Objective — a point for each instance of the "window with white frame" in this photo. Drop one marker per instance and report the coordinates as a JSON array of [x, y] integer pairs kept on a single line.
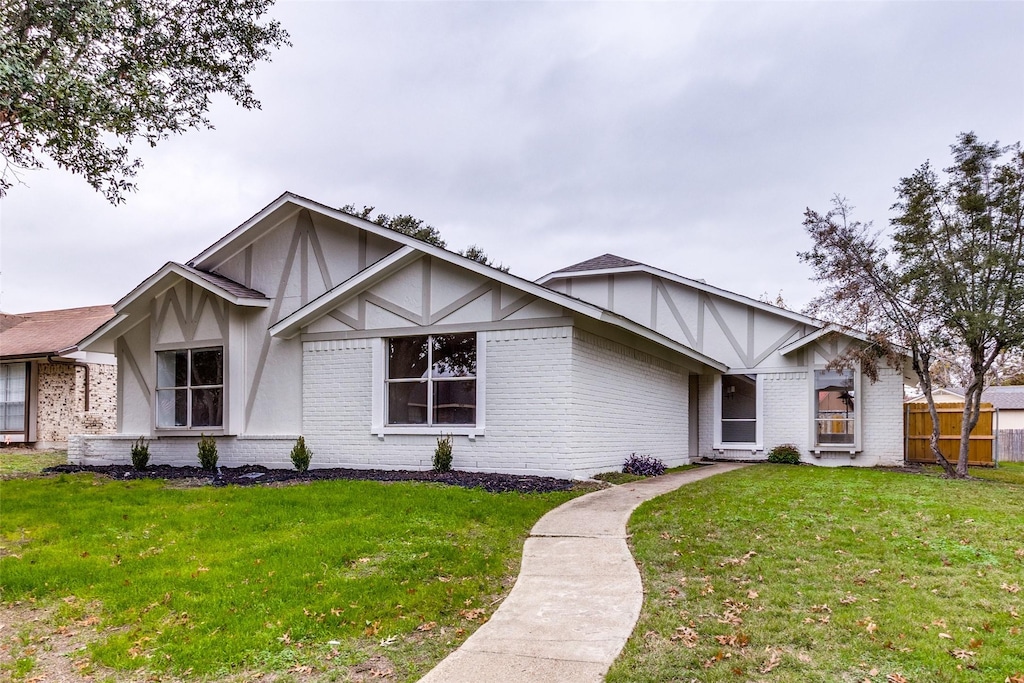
[[739, 409], [431, 380], [835, 408], [12, 396], [190, 388]]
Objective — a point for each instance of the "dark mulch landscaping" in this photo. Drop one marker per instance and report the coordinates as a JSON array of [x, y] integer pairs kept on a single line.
[[248, 475]]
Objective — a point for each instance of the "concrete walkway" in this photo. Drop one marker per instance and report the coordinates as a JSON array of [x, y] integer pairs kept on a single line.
[[577, 598]]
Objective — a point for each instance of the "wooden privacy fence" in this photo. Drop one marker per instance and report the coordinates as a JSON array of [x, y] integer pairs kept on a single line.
[[1011, 445], [919, 434]]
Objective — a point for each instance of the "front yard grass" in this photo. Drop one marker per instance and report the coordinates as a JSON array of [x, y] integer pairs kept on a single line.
[[779, 573], [315, 581], [16, 462]]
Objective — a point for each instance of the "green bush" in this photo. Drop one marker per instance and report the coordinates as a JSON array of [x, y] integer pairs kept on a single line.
[[786, 454], [207, 453], [301, 455], [443, 454], [140, 454]]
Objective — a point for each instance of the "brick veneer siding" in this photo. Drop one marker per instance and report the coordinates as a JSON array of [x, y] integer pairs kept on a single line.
[[787, 419], [527, 394], [625, 401], [272, 451], [60, 402]]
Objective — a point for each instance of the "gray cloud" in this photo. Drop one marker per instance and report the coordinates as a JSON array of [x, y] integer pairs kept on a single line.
[[686, 135]]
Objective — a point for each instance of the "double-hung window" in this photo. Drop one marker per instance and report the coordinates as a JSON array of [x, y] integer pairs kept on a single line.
[[739, 409], [835, 408], [12, 397], [431, 380], [190, 388]]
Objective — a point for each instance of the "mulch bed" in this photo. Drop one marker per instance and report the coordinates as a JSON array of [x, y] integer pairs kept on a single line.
[[249, 475]]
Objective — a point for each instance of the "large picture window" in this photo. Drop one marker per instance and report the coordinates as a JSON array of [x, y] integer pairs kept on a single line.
[[739, 409], [190, 388], [835, 407], [12, 396], [431, 380]]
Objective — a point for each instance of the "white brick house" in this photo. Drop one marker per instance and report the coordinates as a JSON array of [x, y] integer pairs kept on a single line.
[[307, 320]]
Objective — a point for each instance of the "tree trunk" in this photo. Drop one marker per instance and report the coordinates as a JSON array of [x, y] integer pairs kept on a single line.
[[922, 366]]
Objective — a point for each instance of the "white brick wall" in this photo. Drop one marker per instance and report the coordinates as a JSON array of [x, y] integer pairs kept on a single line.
[[232, 451], [787, 400], [623, 402], [787, 419], [527, 392]]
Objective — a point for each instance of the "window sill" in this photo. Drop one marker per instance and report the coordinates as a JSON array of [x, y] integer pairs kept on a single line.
[[189, 431], [418, 430]]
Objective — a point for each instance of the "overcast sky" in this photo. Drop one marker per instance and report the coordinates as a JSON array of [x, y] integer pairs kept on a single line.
[[689, 136]]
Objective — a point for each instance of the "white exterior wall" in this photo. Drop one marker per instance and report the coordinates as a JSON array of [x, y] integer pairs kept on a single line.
[[270, 451], [624, 402], [527, 389], [786, 412]]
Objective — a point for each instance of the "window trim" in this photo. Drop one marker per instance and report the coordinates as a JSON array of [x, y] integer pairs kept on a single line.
[[858, 415], [191, 348], [26, 369], [758, 444], [379, 426]]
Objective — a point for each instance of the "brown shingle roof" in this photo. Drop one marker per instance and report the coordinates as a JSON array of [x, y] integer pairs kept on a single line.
[[45, 332], [600, 263]]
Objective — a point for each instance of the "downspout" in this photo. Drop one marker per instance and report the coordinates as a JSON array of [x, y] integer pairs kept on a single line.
[[57, 360]]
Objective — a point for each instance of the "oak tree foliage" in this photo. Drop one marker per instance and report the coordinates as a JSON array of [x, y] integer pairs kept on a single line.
[[416, 227], [947, 279], [82, 80]]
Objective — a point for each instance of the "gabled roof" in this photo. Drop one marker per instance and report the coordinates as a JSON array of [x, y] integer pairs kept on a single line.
[[289, 326], [610, 264], [169, 275], [44, 333]]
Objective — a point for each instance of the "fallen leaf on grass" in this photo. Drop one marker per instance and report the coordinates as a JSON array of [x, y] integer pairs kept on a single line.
[[896, 678], [945, 636], [686, 635], [1015, 678], [774, 659], [848, 600], [428, 626], [963, 654], [752, 595], [1011, 588], [737, 561], [734, 639]]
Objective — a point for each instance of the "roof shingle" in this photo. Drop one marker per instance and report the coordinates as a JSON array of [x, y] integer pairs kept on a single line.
[[600, 263], [45, 332]]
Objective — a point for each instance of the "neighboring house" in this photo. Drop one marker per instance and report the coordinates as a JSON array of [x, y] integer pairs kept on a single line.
[[49, 388], [1009, 401], [307, 320], [940, 395]]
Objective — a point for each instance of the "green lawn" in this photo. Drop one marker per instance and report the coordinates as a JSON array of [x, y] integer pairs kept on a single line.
[[779, 573], [207, 582], [21, 461]]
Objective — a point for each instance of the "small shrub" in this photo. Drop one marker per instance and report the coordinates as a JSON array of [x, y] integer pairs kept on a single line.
[[643, 466], [301, 455], [443, 454], [140, 454], [786, 454], [207, 453]]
